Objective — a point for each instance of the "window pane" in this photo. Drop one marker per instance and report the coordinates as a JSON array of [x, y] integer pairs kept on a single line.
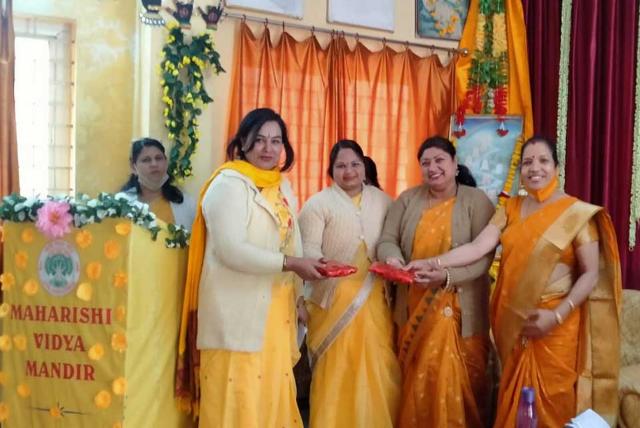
[[32, 114]]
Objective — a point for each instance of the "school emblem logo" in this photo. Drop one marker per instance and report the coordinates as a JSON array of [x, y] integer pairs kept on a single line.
[[59, 267]]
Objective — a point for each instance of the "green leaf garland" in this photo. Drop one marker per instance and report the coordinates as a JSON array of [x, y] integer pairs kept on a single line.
[[183, 67]]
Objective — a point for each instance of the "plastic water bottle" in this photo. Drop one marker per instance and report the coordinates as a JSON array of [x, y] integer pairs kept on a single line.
[[527, 416]]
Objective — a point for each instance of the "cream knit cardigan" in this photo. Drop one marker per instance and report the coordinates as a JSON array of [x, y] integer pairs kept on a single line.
[[333, 227]]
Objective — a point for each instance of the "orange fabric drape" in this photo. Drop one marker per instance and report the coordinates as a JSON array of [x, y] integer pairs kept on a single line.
[[388, 101], [8, 143], [519, 94], [444, 373]]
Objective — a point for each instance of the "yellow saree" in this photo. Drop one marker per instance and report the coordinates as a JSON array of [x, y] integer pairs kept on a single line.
[[444, 373], [257, 389], [356, 376], [568, 375]]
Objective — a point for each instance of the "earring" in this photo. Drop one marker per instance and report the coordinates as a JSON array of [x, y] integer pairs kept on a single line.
[[457, 172]]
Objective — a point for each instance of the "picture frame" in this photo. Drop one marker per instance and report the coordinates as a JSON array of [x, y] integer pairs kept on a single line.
[[377, 14], [441, 19], [485, 152], [293, 8]]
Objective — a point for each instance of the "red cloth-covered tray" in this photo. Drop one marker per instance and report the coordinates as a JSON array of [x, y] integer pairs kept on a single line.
[[391, 273], [334, 269]]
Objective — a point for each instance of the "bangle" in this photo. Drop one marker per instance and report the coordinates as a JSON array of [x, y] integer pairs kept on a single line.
[[571, 304], [447, 283], [438, 262], [284, 263], [558, 317]]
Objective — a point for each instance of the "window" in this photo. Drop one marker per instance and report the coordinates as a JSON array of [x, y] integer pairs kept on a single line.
[[44, 93]]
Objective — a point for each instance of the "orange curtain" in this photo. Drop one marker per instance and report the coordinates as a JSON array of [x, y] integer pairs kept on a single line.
[[8, 144], [387, 101]]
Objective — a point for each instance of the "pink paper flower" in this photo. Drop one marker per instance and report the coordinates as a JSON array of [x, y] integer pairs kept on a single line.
[[54, 219]]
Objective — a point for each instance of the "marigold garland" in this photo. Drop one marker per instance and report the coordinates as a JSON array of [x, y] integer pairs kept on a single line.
[[487, 85], [184, 94], [563, 87], [634, 212]]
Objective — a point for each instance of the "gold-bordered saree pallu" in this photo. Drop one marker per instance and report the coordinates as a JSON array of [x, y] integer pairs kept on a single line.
[[356, 376], [569, 375]]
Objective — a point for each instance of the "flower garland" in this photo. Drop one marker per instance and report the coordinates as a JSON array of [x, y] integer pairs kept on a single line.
[[634, 212], [55, 215], [183, 93], [563, 87], [488, 75]]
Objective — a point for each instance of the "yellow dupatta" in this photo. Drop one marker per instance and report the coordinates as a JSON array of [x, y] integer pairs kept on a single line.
[[187, 383], [523, 279]]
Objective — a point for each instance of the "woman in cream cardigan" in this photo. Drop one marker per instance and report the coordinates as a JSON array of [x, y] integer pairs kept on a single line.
[[246, 240], [356, 376]]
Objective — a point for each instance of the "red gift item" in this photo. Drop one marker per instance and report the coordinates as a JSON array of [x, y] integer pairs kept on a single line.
[[334, 269], [391, 273]]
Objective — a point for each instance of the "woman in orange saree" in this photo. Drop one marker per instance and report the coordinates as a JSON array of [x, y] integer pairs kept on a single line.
[[559, 272], [443, 343]]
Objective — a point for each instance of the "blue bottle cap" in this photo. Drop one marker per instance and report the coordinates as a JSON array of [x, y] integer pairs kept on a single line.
[[528, 395]]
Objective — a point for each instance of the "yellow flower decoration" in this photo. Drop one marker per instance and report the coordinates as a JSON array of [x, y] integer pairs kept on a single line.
[[120, 279], [5, 308], [84, 238], [96, 352], [27, 235], [4, 411], [119, 342], [102, 400], [5, 343], [20, 342], [121, 313], [111, 249], [8, 281], [23, 390], [123, 228], [119, 386], [3, 378], [21, 259], [31, 287], [84, 291], [94, 270], [55, 412]]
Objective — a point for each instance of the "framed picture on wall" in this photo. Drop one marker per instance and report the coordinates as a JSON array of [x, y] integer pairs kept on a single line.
[[280, 7], [379, 14], [441, 19], [486, 153]]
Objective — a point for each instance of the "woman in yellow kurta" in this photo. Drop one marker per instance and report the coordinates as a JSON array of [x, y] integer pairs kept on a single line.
[[443, 336], [356, 376], [244, 251], [559, 276], [150, 183]]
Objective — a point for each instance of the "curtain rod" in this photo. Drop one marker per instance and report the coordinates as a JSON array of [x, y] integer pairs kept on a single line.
[[312, 28]]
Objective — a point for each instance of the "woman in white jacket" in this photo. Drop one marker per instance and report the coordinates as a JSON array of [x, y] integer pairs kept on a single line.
[[246, 241], [356, 376], [150, 183]]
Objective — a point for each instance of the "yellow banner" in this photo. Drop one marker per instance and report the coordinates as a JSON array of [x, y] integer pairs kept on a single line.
[[90, 324]]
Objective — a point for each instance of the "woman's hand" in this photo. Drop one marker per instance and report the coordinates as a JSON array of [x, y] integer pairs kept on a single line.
[[395, 262], [431, 278], [303, 314], [305, 268], [423, 265], [539, 323]]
